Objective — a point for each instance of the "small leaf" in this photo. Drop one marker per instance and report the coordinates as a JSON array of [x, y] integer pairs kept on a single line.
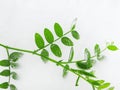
[[12, 87], [83, 72], [65, 70], [94, 82], [66, 41], [56, 50], [87, 54], [105, 85], [73, 24], [15, 56], [4, 85], [5, 63], [75, 35], [86, 73], [39, 41], [83, 65], [14, 75], [58, 30], [97, 51], [111, 88], [5, 73], [71, 54], [112, 47], [14, 65], [45, 53], [48, 35], [87, 57]]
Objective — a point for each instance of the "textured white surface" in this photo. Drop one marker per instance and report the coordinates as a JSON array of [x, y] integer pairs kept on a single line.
[[98, 22]]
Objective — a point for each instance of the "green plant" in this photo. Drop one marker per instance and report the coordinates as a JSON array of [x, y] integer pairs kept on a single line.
[[84, 66]]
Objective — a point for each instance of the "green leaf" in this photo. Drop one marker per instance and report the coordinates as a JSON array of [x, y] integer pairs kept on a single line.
[[39, 41], [15, 56], [83, 65], [45, 53], [75, 35], [97, 51], [5, 73], [87, 57], [56, 50], [5, 63], [94, 82], [12, 87], [48, 35], [4, 85], [112, 47], [14, 65], [65, 70], [73, 24], [71, 54], [87, 54], [105, 85], [83, 72], [86, 73], [14, 75], [58, 30], [66, 41], [111, 88]]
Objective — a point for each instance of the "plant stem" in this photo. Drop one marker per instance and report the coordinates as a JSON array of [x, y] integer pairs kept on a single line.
[[54, 41], [50, 59], [93, 87], [9, 66]]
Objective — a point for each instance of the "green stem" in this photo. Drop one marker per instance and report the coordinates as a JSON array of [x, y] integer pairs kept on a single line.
[[9, 66], [93, 87], [76, 84], [54, 41], [50, 59]]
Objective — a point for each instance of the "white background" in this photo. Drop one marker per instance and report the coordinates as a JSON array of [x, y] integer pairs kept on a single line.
[[98, 22]]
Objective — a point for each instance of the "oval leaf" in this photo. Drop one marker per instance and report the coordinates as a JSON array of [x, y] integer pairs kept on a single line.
[[65, 70], [14, 65], [58, 30], [4, 85], [71, 54], [48, 35], [46, 54], [75, 35], [87, 54], [112, 47], [15, 56], [5, 73], [86, 73], [105, 85], [94, 82], [83, 65], [66, 41], [12, 87], [14, 75], [5, 63], [56, 50], [39, 41]]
